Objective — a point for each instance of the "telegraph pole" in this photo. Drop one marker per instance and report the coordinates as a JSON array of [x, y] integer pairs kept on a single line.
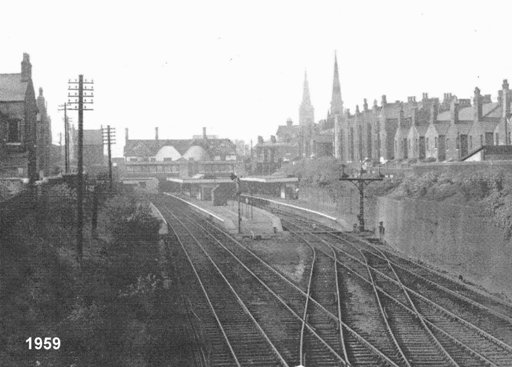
[[64, 107], [109, 137], [78, 92], [360, 183]]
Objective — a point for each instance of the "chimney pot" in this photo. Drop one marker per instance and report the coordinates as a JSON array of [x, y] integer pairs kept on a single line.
[[126, 134], [156, 133], [204, 133]]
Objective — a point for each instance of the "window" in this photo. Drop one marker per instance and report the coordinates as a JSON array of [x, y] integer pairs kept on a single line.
[[14, 131], [481, 140], [497, 139], [152, 159], [470, 142], [167, 159], [435, 142], [427, 143]]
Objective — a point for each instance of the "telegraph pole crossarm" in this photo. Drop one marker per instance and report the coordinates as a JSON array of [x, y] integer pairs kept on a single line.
[[360, 183]]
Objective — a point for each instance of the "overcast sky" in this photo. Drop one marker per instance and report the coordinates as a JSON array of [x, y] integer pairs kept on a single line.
[[237, 67]]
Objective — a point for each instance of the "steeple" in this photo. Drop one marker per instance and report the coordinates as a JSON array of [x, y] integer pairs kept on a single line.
[[336, 101], [306, 110], [305, 94]]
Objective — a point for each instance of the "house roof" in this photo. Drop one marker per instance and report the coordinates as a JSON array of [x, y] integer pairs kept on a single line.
[[12, 89], [402, 131], [497, 150], [489, 110], [442, 127], [287, 130], [149, 148], [463, 127], [421, 129]]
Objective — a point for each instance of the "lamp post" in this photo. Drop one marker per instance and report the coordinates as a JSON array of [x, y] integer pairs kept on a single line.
[[236, 179], [507, 121], [360, 183]]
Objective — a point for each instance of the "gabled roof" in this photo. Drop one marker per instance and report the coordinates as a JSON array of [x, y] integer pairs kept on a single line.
[[441, 127], [497, 150], [463, 127], [287, 130], [421, 129], [489, 110], [402, 131], [12, 89]]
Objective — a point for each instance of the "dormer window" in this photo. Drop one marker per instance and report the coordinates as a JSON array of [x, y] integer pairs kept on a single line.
[[13, 131]]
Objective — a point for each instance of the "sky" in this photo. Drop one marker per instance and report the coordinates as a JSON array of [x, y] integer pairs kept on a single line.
[[237, 67]]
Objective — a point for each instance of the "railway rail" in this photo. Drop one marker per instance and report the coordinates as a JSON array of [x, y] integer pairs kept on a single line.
[[458, 340], [315, 346]]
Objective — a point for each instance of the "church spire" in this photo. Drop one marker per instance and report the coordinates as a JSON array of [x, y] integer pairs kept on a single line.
[[306, 110], [305, 94], [336, 101]]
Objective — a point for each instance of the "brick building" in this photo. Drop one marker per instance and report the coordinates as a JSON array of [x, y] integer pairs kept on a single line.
[[430, 128], [161, 158], [18, 124]]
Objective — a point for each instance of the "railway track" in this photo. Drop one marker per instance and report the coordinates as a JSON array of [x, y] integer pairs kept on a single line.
[[456, 340], [281, 328]]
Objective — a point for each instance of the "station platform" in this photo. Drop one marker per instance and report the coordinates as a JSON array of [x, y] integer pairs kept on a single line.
[[254, 221], [330, 218]]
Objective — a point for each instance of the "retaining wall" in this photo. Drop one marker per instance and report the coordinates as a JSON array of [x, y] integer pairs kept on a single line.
[[459, 239]]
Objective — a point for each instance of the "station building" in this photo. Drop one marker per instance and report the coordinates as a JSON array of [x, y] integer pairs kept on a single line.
[[148, 160]]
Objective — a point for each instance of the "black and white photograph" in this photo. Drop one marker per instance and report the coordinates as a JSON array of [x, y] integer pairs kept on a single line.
[[272, 183]]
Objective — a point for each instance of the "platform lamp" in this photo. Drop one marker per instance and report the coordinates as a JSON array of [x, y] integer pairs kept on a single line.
[[507, 121], [236, 179]]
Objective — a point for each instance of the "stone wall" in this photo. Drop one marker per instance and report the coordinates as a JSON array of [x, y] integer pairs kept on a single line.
[[459, 239]]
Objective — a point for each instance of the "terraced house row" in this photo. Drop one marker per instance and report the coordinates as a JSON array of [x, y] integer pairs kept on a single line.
[[431, 129]]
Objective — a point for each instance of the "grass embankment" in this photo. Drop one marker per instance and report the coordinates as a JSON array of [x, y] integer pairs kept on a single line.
[[119, 309]]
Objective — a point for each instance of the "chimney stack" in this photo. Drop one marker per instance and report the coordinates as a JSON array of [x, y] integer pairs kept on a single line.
[[505, 98], [156, 133], [477, 105], [260, 139], [434, 109], [273, 139], [425, 97], [126, 134], [365, 105], [289, 122], [26, 68], [414, 116], [383, 100], [454, 111], [204, 133]]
